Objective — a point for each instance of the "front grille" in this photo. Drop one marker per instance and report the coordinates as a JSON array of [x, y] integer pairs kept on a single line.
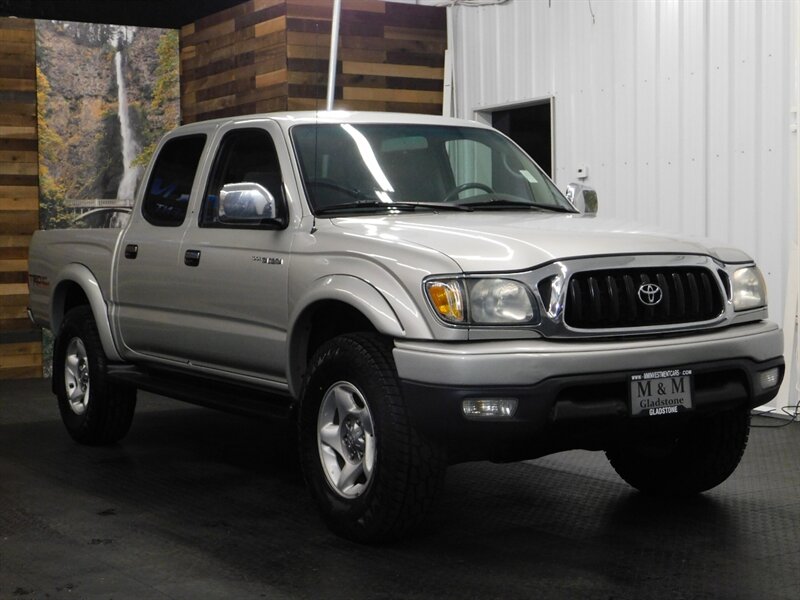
[[610, 299]]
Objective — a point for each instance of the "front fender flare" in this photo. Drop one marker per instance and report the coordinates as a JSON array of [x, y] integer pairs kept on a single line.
[[354, 292], [85, 279]]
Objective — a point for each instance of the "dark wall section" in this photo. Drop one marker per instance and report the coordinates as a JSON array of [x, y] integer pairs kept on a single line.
[[170, 14]]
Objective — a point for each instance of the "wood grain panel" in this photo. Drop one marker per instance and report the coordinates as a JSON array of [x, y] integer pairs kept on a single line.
[[413, 16], [13, 253], [18, 204], [362, 5], [17, 344], [17, 132], [17, 84], [261, 16], [19, 196], [16, 221], [18, 156], [404, 96], [14, 241], [416, 33], [19, 168], [233, 60], [270, 26], [13, 312], [13, 266], [21, 49], [411, 71], [18, 349], [262, 4], [273, 55], [24, 145]]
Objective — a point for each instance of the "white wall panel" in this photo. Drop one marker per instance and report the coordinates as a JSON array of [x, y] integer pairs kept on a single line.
[[719, 121], [645, 110], [623, 82], [680, 109], [693, 80]]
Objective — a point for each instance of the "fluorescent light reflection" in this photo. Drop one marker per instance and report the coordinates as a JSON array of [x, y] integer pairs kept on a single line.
[[369, 158]]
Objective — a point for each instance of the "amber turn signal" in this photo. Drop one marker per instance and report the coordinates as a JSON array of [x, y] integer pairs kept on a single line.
[[447, 299]]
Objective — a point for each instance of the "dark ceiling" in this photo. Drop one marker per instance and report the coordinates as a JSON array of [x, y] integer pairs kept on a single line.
[[142, 13]]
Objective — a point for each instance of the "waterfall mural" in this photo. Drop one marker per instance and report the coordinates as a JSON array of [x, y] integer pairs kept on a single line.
[[130, 149], [106, 94]]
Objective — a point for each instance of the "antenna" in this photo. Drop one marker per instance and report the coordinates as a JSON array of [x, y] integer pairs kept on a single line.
[[316, 129]]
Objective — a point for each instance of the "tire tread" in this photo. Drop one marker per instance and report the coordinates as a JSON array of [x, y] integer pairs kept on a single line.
[[411, 478]]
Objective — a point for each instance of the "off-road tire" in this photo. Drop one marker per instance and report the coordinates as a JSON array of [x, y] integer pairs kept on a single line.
[[700, 458], [408, 469], [108, 411]]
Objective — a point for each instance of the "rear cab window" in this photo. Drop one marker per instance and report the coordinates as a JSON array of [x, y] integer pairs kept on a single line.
[[166, 198]]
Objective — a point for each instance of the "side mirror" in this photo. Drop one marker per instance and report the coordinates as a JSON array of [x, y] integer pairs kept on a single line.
[[582, 197], [249, 204]]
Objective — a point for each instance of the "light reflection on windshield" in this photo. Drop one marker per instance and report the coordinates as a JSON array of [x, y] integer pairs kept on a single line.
[[368, 156], [364, 166]]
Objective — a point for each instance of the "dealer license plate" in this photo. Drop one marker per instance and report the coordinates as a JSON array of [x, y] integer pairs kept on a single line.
[[661, 392]]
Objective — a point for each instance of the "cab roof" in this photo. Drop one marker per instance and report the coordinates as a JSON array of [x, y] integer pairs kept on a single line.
[[289, 118]]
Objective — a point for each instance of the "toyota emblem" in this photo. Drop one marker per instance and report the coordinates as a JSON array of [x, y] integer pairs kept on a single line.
[[650, 294]]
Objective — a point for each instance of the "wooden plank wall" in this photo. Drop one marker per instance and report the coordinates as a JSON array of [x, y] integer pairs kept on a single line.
[[391, 55], [234, 62], [20, 342], [268, 55]]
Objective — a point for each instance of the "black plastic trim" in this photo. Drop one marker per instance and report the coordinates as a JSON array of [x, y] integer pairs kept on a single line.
[[577, 411], [217, 393]]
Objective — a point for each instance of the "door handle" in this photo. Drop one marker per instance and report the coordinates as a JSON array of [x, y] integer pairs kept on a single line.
[[191, 258], [131, 251]]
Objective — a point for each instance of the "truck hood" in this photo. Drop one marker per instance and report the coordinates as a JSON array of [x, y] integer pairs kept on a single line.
[[511, 241]]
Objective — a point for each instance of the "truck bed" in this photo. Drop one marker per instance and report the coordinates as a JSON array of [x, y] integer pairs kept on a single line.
[[52, 251]]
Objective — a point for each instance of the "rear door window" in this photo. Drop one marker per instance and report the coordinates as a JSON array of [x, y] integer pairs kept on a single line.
[[166, 199]]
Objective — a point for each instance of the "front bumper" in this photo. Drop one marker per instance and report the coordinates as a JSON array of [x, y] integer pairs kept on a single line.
[[575, 394]]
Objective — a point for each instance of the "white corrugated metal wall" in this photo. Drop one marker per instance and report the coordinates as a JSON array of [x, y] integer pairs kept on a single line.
[[682, 110]]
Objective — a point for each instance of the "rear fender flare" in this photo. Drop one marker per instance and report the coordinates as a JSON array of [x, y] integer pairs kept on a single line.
[[82, 277]]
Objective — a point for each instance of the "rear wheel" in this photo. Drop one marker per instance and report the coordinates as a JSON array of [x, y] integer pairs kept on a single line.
[[696, 460], [94, 410], [371, 474]]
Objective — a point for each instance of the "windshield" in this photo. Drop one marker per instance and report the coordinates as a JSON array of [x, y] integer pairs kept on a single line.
[[374, 167]]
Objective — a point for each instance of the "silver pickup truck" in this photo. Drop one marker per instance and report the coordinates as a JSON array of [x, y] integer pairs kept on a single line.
[[414, 292]]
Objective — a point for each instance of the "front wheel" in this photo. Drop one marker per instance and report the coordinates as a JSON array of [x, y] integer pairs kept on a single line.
[[697, 459], [371, 474], [94, 410]]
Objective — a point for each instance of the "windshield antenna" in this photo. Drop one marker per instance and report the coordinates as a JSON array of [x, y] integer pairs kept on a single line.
[[316, 131]]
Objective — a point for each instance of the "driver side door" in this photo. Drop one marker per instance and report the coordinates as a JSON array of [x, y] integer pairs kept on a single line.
[[235, 274]]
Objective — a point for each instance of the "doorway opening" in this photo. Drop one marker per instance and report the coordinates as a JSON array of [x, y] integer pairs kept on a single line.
[[530, 126]]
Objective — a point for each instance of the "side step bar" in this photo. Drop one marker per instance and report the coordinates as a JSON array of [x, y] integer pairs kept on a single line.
[[206, 391]]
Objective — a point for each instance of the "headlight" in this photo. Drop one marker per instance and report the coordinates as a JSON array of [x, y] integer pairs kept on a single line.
[[749, 289], [496, 301], [488, 301]]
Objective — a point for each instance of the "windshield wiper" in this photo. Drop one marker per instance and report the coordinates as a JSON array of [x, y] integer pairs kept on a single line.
[[407, 206], [338, 187], [495, 202]]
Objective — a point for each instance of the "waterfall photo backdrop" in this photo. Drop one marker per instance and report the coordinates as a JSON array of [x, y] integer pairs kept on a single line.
[[105, 95]]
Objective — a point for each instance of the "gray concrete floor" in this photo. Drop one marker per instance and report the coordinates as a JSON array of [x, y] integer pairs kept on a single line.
[[200, 504]]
